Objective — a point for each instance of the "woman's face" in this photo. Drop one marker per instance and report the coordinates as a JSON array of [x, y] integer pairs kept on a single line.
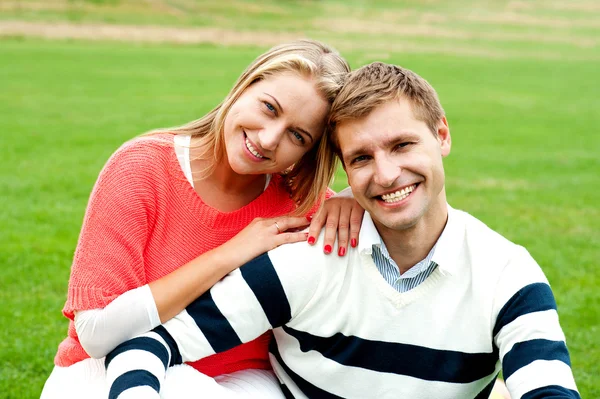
[[273, 124]]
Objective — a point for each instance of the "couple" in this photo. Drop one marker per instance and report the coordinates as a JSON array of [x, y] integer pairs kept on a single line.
[[427, 301]]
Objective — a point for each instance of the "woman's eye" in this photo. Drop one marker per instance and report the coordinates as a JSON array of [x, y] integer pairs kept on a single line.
[[298, 136], [270, 107]]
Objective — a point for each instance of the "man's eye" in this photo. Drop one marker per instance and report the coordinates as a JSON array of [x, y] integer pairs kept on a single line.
[[359, 159], [402, 145]]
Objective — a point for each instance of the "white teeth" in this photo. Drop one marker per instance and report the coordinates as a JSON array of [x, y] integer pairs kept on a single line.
[[398, 195], [252, 150]]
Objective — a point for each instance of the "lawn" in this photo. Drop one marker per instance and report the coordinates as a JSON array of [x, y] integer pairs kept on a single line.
[[524, 158]]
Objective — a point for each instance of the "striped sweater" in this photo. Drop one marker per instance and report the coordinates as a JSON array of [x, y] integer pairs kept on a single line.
[[342, 332]]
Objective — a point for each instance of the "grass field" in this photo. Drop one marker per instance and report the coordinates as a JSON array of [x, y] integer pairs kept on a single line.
[[519, 82]]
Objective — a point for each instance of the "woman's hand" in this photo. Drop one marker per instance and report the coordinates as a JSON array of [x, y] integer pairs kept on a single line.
[[339, 214], [262, 235]]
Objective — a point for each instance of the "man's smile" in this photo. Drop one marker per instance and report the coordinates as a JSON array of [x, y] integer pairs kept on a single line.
[[398, 195]]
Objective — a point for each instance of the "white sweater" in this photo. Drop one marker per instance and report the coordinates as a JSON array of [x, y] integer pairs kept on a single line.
[[342, 331]]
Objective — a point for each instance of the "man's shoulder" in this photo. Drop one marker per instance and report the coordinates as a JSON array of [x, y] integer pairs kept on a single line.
[[494, 263], [485, 246], [306, 264], [303, 253], [479, 235]]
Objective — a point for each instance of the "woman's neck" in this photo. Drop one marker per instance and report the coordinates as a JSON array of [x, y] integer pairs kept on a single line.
[[224, 189]]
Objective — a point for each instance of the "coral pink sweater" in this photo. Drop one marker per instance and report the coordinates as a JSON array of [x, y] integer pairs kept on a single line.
[[143, 221]]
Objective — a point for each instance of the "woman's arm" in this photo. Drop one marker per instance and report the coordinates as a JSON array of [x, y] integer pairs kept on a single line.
[[109, 262], [178, 289], [101, 330], [141, 309], [108, 296], [340, 214]]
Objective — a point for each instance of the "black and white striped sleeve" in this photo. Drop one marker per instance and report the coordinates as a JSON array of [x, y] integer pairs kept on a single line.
[[528, 336], [261, 295]]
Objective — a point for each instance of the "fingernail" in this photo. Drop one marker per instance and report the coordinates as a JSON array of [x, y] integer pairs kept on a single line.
[[327, 249], [311, 240], [341, 251], [353, 242], [309, 218]]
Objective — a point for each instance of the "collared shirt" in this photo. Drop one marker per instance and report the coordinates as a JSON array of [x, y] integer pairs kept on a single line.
[[414, 276]]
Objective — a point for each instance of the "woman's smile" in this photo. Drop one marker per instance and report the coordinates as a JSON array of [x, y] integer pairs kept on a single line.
[[253, 150]]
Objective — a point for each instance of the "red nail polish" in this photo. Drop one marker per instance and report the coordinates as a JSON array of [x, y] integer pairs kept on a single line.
[[309, 218], [341, 251], [311, 240], [327, 249], [353, 242]]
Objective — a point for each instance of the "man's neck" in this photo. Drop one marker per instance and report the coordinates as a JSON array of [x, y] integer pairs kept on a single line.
[[407, 247]]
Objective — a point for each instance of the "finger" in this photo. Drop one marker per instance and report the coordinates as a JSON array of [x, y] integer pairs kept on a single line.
[[289, 238], [356, 218], [286, 223], [331, 227], [316, 224], [343, 229]]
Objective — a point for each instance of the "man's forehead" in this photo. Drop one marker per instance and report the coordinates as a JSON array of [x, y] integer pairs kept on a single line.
[[352, 134]]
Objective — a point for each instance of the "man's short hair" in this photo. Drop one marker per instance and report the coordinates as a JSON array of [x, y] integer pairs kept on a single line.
[[376, 84]]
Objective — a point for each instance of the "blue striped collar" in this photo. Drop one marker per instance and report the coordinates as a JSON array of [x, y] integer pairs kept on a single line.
[[447, 247], [413, 271]]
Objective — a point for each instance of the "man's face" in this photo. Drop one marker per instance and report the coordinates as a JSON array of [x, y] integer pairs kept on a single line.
[[394, 166]]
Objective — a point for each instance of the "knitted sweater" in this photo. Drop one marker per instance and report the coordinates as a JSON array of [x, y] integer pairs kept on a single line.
[[143, 221], [341, 331]]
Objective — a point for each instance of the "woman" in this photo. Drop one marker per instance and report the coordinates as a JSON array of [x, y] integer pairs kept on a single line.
[[172, 213]]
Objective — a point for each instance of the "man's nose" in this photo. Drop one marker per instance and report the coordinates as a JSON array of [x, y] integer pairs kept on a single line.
[[386, 171], [271, 135]]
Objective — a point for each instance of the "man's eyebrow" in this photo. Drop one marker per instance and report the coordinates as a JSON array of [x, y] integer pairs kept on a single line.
[[354, 152], [399, 137]]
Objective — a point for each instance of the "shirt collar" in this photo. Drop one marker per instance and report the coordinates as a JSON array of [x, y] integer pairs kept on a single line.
[[449, 244], [368, 235], [447, 247]]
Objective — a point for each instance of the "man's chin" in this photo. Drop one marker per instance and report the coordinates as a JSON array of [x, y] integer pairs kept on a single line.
[[393, 222]]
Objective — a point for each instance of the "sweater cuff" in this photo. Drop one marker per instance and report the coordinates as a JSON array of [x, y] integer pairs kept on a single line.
[[85, 298]]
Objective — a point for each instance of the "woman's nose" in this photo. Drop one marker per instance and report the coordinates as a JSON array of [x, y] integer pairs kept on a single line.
[[270, 137]]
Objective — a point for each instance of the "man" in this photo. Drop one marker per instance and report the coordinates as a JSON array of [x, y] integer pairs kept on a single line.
[[431, 304]]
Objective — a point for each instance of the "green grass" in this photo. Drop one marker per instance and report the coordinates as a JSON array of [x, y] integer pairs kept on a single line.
[[524, 157], [499, 28]]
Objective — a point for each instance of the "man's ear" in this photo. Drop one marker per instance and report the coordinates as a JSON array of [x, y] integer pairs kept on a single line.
[[443, 134]]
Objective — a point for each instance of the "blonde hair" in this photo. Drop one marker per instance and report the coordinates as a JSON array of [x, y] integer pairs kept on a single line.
[[377, 83], [307, 179]]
